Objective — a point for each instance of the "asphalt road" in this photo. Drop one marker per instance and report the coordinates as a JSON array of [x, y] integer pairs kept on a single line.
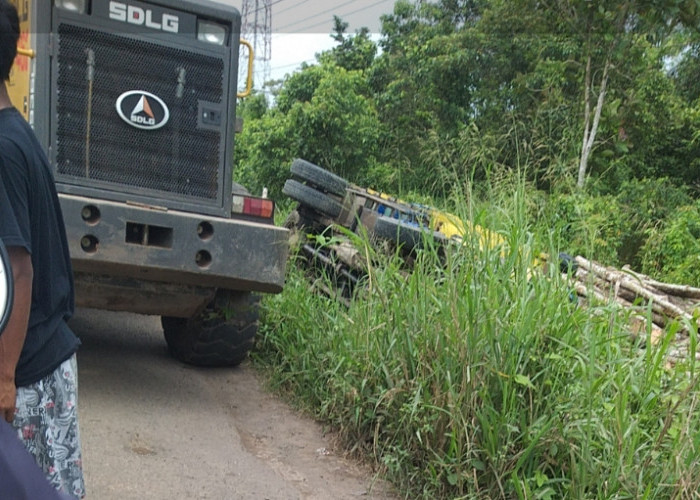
[[153, 428]]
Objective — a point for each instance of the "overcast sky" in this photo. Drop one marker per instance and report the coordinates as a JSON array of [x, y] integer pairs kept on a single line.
[[301, 28]]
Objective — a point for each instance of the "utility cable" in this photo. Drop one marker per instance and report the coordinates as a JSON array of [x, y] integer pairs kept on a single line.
[[290, 7], [319, 14], [264, 7], [299, 63], [330, 10]]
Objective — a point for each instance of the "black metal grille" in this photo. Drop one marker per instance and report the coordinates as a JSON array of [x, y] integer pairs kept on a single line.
[[179, 158]]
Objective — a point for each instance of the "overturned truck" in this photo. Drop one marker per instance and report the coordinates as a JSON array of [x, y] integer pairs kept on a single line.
[[654, 309]]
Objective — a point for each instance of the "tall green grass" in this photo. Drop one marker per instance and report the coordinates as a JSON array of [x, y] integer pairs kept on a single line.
[[473, 377]]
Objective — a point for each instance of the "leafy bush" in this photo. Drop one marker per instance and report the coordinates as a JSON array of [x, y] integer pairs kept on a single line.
[[584, 225], [645, 204], [672, 251], [610, 228]]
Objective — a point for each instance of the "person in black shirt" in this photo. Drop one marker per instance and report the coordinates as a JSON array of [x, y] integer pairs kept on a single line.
[[38, 373]]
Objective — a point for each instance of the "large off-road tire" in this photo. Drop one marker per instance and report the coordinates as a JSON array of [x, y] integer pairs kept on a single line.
[[308, 196], [407, 235], [319, 177], [221, 335]]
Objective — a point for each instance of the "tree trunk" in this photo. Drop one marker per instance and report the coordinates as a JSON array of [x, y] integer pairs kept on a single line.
[[591, 129]]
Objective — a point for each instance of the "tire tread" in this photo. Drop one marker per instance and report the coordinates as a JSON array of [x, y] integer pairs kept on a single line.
[[211, 339]]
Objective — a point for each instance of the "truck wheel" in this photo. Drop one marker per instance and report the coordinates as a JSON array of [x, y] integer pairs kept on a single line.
[[319, 177], [221, 335], [292, 221], [394, 230], [306, 195]]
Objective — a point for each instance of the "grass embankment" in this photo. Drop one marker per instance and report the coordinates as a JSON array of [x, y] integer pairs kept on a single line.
[[477, 380]]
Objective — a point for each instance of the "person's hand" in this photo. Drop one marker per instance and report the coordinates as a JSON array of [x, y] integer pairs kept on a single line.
[[8, 394]]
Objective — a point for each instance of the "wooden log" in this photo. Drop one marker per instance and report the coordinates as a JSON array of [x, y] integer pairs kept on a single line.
[[660, 304], [657, 312], [669, 288], [629, 298], [633, 285], [635, 291], [677, 290], [584, 291], [685, 303], [640, 326]]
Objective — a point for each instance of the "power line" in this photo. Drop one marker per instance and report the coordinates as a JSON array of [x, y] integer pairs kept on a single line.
[[296, 5], [291, 7], [329, 10], [320, 14], [299, 63], [342, 15], [270, 5]]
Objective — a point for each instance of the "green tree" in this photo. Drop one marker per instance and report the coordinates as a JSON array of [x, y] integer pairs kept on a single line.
[[608, 30], [570, 90], [264, 150], [686, 73], [337, 128], [672, 251], [352, 52], [322, 114]]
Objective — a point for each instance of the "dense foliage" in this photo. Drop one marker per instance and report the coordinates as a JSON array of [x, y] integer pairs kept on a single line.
[[481, 379], [566, 125], [462, 90]]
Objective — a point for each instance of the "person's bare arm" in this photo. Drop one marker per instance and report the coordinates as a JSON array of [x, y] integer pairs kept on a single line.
[[12, 338]]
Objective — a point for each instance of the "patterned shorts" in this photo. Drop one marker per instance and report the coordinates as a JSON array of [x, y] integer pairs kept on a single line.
[[46, 420]]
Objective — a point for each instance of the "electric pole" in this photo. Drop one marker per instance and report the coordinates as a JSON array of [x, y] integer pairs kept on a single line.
[[256, 18]]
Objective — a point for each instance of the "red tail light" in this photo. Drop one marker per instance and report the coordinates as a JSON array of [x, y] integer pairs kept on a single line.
[[255, 207]]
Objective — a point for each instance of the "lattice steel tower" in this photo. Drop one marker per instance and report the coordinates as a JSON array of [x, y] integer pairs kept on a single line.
[[256, 18]]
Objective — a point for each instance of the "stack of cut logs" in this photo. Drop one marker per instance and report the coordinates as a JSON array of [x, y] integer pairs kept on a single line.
[[668, 303]]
